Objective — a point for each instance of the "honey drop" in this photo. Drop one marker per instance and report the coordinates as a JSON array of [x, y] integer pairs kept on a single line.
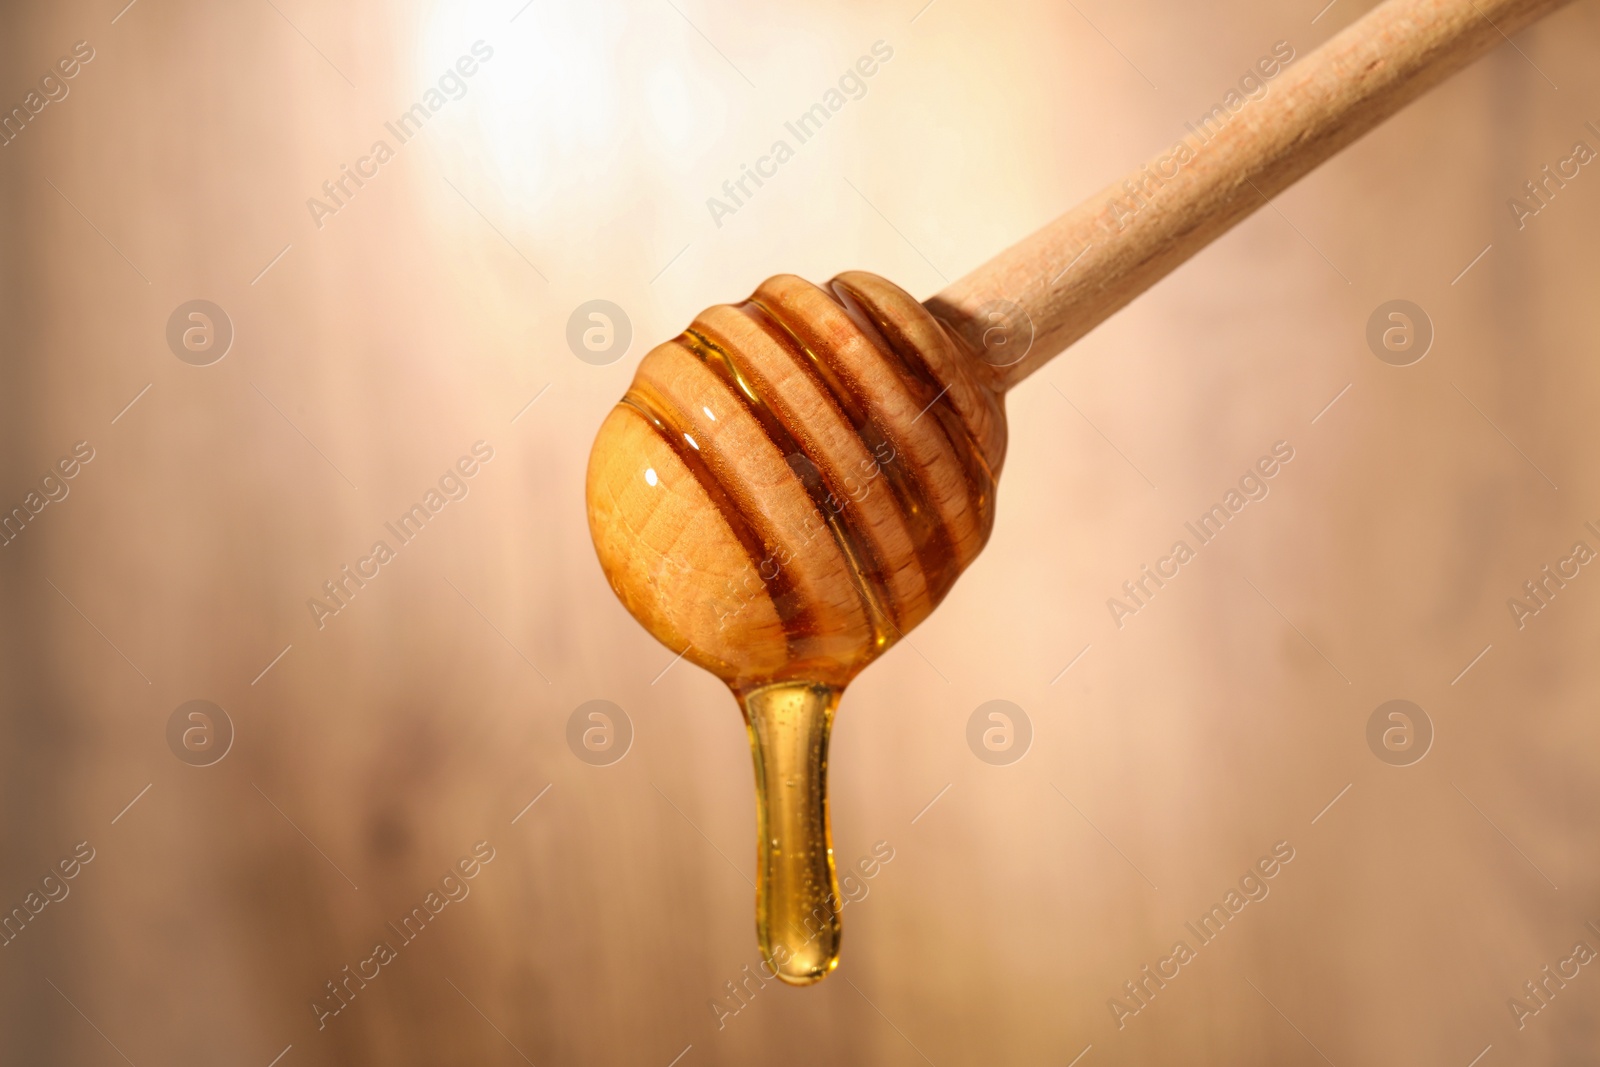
[[797, 893]]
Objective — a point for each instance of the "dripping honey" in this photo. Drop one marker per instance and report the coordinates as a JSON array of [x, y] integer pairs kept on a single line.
[[797, 894]]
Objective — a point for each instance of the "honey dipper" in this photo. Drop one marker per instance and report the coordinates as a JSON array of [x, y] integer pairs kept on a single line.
[[796, 481]]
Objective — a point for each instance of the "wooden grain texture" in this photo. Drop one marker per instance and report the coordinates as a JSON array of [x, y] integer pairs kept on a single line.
[[1071, 275]]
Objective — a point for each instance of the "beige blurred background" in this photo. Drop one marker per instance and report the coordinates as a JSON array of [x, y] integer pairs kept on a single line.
[[426, 715]]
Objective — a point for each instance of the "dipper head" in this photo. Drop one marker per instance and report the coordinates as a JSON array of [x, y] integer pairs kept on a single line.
[[794, 482]]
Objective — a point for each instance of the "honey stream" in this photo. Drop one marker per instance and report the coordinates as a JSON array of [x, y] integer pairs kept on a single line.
[[797, 894]]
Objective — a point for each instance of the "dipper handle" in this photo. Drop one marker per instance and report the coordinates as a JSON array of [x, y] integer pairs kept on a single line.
[[1067, 278]]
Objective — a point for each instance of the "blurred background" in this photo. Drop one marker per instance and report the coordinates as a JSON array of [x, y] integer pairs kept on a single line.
[[349, 355]]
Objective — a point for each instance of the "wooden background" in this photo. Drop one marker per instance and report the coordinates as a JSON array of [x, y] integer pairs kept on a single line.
[[428, 713]]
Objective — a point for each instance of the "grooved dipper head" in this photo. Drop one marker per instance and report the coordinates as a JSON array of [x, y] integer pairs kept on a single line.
[[796, 481]]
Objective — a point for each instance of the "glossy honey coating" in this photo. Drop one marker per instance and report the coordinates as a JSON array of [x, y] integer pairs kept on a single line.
[[796, 481]]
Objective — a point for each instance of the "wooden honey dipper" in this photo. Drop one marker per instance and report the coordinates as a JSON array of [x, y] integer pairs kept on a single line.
[[796, 481]]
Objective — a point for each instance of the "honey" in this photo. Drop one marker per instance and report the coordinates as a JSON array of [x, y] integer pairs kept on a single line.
[[797, 892]]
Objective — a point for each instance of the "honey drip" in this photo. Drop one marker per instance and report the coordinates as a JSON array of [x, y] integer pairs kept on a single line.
[[797, 894]]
